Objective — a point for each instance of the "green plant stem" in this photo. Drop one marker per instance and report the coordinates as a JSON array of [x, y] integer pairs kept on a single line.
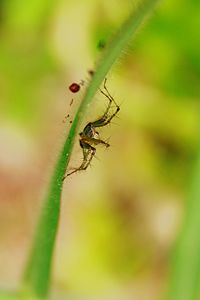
[[37, 273], [186, 260]]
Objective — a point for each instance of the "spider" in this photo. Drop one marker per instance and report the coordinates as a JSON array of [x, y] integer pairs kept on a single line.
[[89, 137]]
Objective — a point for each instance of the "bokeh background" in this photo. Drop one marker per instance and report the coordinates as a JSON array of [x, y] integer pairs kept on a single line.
[[120, 218]]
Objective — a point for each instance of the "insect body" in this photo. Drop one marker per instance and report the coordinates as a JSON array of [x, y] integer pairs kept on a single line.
[[89, 137]]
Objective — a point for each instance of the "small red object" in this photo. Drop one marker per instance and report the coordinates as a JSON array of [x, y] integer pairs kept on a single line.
[[74, 87]]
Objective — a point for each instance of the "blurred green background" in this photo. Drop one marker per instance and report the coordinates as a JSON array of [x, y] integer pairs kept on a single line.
[[121, 217]]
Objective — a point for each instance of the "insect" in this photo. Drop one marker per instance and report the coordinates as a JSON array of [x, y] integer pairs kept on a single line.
[[89, 137]]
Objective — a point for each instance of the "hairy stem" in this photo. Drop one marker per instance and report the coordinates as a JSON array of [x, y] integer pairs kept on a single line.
[[37, 273]]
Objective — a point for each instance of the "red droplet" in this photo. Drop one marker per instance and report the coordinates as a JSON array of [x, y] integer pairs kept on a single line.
[[74, 87]]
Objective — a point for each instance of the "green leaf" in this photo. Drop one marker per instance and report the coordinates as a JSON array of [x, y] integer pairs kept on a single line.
[[186, 257]]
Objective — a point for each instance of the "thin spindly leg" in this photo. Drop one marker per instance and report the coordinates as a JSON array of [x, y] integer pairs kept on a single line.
[[92, 153], [105, 119], [110, 98], [82, 166], [108, 107], [94, 141], [88, 153], [103, 122], [107, 94]]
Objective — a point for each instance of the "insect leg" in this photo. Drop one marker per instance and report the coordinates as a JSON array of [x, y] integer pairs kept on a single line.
[[88, 153], [107, 94], [95, 141], [104, 121]]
